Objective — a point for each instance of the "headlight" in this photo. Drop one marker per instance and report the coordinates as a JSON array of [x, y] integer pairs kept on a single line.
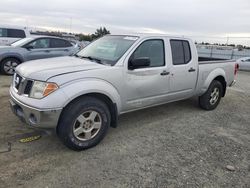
[[42, 89]]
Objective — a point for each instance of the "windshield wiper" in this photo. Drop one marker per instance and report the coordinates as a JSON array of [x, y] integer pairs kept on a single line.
[[75, 55], [92, 59]]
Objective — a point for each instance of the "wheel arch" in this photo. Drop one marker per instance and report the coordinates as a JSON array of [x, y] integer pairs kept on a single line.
[[217, 74], [223, 82], [12, 56], [107, 100], [6, 58]]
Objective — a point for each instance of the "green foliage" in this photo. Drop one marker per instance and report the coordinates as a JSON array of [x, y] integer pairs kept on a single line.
[[101, 32], [85, 37], [98, 33]]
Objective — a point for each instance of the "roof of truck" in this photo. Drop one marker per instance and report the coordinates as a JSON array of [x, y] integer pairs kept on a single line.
[[152, 35]]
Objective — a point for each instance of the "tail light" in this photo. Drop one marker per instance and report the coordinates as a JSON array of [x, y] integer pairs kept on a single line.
[[236, 68]]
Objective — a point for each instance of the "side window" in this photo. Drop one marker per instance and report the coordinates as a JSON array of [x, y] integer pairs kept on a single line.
[[58, 43], [152, 49], [3, 32], [16, 33], [187, 51], [68, 44], [40, 43], [181, 52]]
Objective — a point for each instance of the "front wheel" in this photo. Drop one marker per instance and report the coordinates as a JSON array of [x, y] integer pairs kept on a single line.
[[9, 65], [212, 97], [84, 123]]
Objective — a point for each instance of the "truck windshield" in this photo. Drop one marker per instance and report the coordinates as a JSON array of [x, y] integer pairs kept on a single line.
[[108, 49]]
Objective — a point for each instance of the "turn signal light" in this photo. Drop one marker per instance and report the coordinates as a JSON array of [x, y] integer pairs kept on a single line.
[[50, 88]]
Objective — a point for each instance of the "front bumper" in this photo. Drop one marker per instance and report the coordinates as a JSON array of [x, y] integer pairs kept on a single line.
[[34, 117]]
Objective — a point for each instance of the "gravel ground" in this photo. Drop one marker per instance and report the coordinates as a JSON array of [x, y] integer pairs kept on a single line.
[[174, 145]]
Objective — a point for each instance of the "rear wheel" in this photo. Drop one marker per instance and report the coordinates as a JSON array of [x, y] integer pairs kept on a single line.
[[212, 97], [9, 65], [84, 123]]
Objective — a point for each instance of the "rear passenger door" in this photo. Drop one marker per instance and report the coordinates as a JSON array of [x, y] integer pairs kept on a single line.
[[184, 69], [60, 47]]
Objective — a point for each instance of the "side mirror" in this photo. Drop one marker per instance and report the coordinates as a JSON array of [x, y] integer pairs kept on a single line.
[[140, 62], [28, 47]]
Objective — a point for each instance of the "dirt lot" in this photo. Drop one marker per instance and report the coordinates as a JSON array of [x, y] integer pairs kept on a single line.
[[174, 145]]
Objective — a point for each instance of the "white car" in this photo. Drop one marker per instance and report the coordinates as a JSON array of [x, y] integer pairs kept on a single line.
[[244, 63], [11, 34], [82, 95]]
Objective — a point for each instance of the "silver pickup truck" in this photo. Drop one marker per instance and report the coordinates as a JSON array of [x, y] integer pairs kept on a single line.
[[82, 95]]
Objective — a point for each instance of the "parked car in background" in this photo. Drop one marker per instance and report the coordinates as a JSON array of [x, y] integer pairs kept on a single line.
[[10, 34], [37, 47], [244, 63], [80, 44], [83, 44], [77, 44]]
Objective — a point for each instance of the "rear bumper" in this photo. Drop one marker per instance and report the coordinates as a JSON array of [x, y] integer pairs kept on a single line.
[[34, 117]]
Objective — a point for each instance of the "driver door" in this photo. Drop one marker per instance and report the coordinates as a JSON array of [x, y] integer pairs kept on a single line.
[[149, 85]]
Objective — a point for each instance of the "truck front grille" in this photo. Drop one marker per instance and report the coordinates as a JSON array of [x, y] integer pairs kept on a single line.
[[17, 81], [22, 85], [28, 87]]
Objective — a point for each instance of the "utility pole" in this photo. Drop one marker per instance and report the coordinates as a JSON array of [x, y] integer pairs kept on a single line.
[[227, 40], [70, 27], [27, 23]]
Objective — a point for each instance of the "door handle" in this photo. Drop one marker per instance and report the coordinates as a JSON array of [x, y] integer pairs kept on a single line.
[[66, 50], [191, 69], [47, 51], [164, 73]]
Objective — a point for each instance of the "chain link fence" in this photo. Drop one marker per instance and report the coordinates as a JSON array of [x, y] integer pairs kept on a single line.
[[221, 53], [222, 47]]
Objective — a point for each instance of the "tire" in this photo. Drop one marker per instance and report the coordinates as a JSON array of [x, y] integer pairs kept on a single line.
[[9, 65], [79, 122], [212, 97]]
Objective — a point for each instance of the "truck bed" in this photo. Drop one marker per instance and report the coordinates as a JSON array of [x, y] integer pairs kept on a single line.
[[209, 67], [209, 60]]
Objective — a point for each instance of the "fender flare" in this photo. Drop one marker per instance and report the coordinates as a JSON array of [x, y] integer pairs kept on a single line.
[[219, 72], [87, 86], [12, 55]]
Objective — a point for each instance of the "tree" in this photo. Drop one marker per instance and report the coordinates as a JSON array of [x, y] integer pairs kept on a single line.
[[85, 37], [100, 32]]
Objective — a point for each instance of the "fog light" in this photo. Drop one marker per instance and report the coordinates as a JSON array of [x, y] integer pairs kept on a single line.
[[33, 119]]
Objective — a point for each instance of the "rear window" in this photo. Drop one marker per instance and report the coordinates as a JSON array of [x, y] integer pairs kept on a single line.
[[3, 32], [58, 43], [16, 33], [181, 52]]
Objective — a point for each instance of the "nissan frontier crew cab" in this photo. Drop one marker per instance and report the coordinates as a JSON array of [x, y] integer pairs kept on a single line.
[[80, 96]]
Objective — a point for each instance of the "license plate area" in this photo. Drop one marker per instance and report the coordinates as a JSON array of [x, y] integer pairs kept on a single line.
[[17, 110]]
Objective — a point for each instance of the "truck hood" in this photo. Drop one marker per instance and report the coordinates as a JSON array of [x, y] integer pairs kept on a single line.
[[47, 68]]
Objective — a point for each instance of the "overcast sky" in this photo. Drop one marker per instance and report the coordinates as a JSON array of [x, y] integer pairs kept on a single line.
[[211, 18]]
